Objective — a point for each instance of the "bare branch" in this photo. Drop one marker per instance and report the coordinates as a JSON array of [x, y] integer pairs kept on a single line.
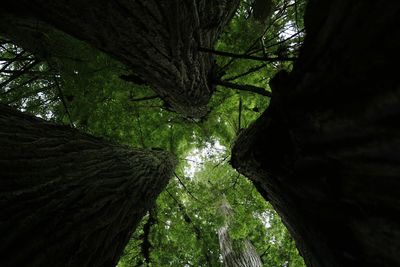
[[19, 73], [245, 87], [146, 244], [243, 56], [144, 98], [187, 190], [240, 115], [62, 98], [249, 71], [29, 94], [19, 86]]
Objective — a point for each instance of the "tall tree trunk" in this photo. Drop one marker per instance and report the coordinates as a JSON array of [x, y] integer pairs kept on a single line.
[[235, 255], [67, 198], [326, 151], [158, 40]]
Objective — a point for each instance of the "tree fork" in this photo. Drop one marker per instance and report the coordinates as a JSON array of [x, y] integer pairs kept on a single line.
[[68, 198]]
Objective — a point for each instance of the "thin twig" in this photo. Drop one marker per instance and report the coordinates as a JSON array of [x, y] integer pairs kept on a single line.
[[12, 60], [244, 87], [248, 50], [240, 115], [265, 252], [233, 185], [140, 128], [244, 56], [249, 71], [187, 190], [285, 40], [19, 85], [197, 162], [29, 94], [144, 98], [18, 74], [219, 163], [62, 98]]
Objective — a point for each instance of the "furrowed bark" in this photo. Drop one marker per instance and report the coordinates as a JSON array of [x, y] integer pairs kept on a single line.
[[70, 199], [157, 40], [326, 151]]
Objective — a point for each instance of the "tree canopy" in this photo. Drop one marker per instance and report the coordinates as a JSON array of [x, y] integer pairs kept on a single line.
[[72, 83]]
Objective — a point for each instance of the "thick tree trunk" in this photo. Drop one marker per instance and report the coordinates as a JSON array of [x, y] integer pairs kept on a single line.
[[326, 153], [70, 199], [235, 255], [158, 40]]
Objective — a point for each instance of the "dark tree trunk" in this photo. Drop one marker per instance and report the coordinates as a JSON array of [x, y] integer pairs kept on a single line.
[[326, 153], [158, 40], [70, 199]]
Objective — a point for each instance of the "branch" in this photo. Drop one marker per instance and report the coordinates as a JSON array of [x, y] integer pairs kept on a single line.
[[240, 115], [19, 73], [146, 244], [285, 40], [233, 185], [144, 98], [12, 60], [186, 216], [244, 87], [265, 252], [242, 56], [219, 163], [140, 129], [29, 94], [249, 71], [196, 229], [194, 161], [19, 86], [135, 107], [248, 50], [296, 18], [187, 190], [62, 98]]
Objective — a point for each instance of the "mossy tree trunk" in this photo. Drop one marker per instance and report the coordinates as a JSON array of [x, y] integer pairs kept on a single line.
[[67, 198], [326, 153], [157, 40]]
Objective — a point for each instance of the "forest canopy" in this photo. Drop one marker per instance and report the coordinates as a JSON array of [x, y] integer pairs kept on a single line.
[[72, 83]]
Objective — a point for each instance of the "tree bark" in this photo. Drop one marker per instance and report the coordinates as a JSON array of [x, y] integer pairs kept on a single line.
[[233, 255], [326, 151], [67, 198], [157, 40]]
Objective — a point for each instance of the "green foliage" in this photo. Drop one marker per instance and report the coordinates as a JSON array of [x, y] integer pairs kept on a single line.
[[82, 87]]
